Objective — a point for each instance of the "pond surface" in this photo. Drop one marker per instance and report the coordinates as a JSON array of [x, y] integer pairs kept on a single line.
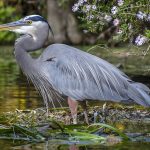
[[58, 145], [15, 91], [18, 93]]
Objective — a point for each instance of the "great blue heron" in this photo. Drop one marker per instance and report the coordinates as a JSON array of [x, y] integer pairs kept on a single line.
[[62, 70]]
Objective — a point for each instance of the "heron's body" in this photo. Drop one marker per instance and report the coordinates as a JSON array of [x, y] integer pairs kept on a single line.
[[62, 70], [81, 76]]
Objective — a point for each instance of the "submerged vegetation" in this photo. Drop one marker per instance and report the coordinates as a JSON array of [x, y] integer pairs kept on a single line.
[[37, 125]]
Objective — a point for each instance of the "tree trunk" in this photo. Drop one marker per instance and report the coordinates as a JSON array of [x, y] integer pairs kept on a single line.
[[63, 24]]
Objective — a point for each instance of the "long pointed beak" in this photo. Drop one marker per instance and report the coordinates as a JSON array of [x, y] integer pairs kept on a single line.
[[12, 25]]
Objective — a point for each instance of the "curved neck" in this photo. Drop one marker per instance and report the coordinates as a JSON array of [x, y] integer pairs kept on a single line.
[[30, 43], [22, 57], [23, 45]]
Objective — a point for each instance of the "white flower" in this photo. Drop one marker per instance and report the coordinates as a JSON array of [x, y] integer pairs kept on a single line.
[[114, 10], [108, 18], [116, 22], [88, 7], [90, 17], [120, 2], [94, 7], [140, 40], [80, 2], [85, 31], [75, 7], [140, 15], [119, 31]]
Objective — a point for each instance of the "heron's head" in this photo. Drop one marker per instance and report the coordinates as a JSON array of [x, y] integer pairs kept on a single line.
[[31, 25]]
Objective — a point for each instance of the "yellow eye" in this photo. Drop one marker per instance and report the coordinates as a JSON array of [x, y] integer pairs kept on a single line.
[[29, 22]]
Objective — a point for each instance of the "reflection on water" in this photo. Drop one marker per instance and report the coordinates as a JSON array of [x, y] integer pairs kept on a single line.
[[59, 145], [15, 91]]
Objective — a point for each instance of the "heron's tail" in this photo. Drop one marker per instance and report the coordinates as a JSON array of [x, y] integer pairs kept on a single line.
[[139, 93]]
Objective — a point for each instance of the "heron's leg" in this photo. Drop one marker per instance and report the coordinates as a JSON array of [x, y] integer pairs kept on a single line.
[[84, 107], [73, 105]]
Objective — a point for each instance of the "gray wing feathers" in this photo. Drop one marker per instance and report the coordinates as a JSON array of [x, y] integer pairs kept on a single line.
[[80, 76]]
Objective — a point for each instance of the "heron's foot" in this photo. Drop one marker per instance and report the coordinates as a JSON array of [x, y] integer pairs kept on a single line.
[[73, 105], [85, 112], [74, 117]]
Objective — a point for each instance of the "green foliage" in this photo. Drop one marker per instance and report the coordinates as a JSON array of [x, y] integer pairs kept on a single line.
[[121, 134], [27, 126], [147, 33], [7, 14]]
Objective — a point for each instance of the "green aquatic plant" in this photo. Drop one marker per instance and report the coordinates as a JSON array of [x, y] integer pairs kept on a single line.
[[115, 130], [29, 126]]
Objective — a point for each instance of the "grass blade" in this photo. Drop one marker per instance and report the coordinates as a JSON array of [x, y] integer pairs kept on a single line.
[[121, 134]]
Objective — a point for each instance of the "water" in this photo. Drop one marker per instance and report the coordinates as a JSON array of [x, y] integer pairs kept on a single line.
[[65, 145], [18, 93], [15, 91]]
